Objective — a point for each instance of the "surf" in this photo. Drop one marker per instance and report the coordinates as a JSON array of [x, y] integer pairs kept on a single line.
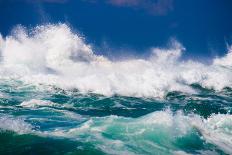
[[55, 90], [55, 55]]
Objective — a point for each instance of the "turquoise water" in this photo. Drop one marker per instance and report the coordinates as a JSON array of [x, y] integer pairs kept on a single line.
[[48, 120], [58, 97]]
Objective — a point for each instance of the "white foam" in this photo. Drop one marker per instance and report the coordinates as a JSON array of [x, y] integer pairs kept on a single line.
[[15, 124], [218, 130], [225, 61], [180, 153], [2, 95], [37, 103], [54, 55]]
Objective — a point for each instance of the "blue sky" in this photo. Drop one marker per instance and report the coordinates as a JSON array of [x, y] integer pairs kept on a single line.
[[202, 26]]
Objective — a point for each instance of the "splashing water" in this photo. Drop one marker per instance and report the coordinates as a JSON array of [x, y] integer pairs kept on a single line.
[[58, 97]]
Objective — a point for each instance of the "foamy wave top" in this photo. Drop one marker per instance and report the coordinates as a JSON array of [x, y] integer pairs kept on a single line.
[[53, 54]]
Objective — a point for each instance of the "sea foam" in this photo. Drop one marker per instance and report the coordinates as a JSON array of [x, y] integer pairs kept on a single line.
[[55, 55], [37, 103], [18, 125]]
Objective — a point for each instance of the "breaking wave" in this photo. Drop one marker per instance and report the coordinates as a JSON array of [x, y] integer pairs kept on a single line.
[[8, 122], [161, 131], [54, 55]]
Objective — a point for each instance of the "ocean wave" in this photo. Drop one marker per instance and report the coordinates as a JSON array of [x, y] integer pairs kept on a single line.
[[156, 131], [10, 123], [33, 103], [54, 55], [162, 131]]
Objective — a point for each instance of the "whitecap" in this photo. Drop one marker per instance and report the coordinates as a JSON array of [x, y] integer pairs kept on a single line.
[[15, 124], [54, 55], [33, 103]]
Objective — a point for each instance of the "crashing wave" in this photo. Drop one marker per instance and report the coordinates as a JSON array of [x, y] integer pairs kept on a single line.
[[8, 122], [37, 103], [160, 131], [54, 55]]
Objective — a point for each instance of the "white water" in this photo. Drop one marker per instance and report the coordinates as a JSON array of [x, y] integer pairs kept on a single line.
[[37, 103], [18, 125], [54, 55]]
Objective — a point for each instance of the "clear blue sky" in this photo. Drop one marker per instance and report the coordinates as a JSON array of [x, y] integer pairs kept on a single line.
[[202, 26]]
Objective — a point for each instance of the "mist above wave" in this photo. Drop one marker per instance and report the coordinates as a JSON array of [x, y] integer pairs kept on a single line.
[[54, 55]]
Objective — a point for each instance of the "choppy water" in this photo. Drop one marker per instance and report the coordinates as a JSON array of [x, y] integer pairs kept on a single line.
[[52, 120], [58, 97]]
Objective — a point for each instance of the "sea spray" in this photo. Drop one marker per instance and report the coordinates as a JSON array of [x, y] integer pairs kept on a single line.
[[55, 92], [53, 54]]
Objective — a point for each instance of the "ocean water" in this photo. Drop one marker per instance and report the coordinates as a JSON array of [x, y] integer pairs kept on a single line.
[[58, 97]]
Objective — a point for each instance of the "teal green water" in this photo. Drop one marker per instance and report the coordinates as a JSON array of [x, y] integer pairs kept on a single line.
[[48, 120], [58, 97]]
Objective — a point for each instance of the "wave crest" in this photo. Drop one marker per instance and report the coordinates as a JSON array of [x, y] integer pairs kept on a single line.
[[53, 54]]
